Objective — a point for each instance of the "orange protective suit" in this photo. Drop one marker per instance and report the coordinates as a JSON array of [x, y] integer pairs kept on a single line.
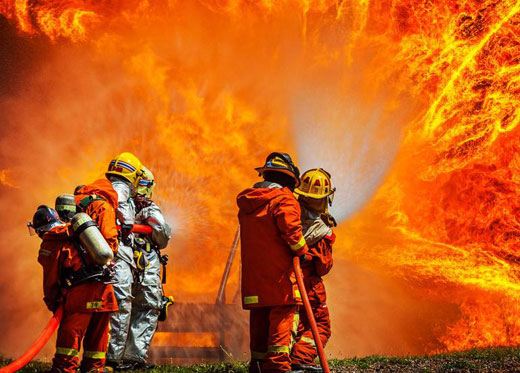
[[87, 306], [271, 233], [102, 210], [304, 351]]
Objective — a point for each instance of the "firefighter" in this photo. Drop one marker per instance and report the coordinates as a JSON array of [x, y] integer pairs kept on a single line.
[[66, 207], [87, 303], [124, 172], [147, 291], [315, 194], [100, 201], [271, 234]]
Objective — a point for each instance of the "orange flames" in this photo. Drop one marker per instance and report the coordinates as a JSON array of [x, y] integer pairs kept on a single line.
[[413, 106]]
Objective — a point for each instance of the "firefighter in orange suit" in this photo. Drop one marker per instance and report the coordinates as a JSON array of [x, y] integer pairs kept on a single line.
[[87, 302], [271, 234], [99, 200], [315, 194]]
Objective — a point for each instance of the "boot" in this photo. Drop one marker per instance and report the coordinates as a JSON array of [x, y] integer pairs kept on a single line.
[[307, 368]]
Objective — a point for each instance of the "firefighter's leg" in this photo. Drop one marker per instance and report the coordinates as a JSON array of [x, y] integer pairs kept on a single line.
[[283, 324], [146, 307], [120, 320], [258, 329], [70, 333], [304, 351], [95, 343]]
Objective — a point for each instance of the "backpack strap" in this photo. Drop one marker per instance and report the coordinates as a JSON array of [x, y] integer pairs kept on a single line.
[[85, 202]]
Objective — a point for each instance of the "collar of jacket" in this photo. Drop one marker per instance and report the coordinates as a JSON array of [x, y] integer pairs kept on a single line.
[[267, 184]]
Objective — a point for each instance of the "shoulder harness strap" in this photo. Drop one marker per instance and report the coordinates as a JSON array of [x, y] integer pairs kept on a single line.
[[85, 202]]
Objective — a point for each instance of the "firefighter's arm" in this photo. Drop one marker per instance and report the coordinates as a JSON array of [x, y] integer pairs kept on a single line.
[[287, 216], [125, 213], [161, 230], [49, 259], [323, 261]]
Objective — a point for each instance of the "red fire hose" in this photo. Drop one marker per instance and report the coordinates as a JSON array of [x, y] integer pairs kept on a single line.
[[143, 229], [310, 315], [139, 228], [37, 345]]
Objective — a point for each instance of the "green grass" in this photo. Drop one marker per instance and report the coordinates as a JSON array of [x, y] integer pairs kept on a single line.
[[504, 359]]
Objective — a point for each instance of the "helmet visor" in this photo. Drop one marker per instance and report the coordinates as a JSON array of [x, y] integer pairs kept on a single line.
[[330, 197]]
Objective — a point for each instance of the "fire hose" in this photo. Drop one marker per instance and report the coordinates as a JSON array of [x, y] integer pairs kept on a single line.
[[37, 345], [51, 327], [310, 315], [139, 228]]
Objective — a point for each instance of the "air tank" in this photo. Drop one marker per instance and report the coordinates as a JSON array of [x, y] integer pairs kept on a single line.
[[90, 237]]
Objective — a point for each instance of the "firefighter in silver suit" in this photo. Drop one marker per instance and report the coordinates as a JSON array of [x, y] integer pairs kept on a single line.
[[147, 291], [124, 172]]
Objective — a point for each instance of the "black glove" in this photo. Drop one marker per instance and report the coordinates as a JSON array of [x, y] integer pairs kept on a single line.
[[126, 229], [163, 259], [53, 305], [141, 202], [305, 258]]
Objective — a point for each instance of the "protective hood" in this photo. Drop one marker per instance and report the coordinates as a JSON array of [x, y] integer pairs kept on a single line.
[[314, 228], [102, 188], [61, 232], [255, 198]]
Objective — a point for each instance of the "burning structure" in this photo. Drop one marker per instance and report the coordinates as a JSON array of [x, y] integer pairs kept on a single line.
[[412, 106]]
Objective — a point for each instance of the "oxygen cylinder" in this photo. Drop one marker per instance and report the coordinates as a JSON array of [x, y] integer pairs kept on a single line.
[[86, 230]]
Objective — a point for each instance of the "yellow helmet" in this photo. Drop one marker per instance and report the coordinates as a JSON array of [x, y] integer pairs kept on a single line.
[[127, 166], [146, 183], [316, 184]]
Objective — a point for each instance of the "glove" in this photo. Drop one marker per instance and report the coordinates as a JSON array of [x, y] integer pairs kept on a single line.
[[329, 220], [126, 230], [141, 202], [305, 258], [52, 305], [163, 259]]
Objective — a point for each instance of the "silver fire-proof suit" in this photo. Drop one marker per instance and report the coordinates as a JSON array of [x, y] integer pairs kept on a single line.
[[148, 300], [124, 266]]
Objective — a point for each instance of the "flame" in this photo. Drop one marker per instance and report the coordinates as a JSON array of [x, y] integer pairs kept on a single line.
[[6, 178], [412, 105]]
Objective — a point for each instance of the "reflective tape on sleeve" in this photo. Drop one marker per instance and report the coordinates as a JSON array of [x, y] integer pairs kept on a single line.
[[94, 354], [251, 299], [67, 351], [299, 245], [278, 349]]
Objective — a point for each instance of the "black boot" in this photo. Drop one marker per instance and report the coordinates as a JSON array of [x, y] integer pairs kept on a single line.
[[143, 366], [307, 368], [118, 366]]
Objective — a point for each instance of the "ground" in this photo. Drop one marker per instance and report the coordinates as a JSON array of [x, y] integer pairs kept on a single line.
[[493, 360]]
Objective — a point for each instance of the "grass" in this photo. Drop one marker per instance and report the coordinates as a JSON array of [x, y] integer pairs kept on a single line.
[[490, 360]]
